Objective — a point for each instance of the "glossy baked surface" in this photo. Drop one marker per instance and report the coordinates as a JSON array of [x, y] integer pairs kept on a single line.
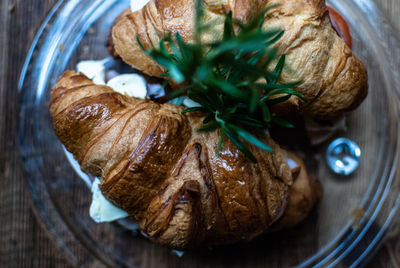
[[334, 79], [62, 200], [154, 165]]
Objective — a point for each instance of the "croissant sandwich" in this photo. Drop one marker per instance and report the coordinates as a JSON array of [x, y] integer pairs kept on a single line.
[[334, 79], [155, 166]]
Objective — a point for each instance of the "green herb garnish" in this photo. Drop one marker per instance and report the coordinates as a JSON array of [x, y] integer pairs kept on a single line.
[[229, 78]]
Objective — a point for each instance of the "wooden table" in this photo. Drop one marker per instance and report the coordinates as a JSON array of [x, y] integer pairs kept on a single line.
[[23, 242]]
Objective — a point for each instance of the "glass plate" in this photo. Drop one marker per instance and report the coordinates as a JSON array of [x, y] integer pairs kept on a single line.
[[345, 229]]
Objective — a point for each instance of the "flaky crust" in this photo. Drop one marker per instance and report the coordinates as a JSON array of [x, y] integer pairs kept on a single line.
[[155, 165], [335, 80]]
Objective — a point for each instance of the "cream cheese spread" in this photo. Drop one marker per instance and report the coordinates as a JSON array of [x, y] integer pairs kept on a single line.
[[93, 69], [137, 5], [132, 85], [101, 210]]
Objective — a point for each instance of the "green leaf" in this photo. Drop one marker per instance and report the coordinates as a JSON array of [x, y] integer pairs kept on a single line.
[[164, 74], [175, 50], [277, 86], [174, 71], [287, 91], [246, 123], [176, 93], [278, 69], [256, 57], [253, 100], [203, 100], [251, 139], [281, 122], [208, 119], [265, 112], [163, 49], [181, 45], [246, 44], [220, 142], [141, 45], [229, 32], [224, 76], [270, 55], [203, 72], [209, 127], [239, 144], [277, 37], [227, 87], [278, 100], [247, 120], [198, 21], [195, 109]]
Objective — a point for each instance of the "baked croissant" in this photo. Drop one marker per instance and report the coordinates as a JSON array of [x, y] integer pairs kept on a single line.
[[154, 165], [334, 79]]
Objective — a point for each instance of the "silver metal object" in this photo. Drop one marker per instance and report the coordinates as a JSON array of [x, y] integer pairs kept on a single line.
[[343, 156]]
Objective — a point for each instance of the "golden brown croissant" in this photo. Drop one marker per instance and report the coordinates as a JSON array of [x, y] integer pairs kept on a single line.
[[154, 165], [334, 79]]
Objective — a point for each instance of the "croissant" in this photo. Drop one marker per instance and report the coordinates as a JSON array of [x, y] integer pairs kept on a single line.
[[154, 164], [334, 79]]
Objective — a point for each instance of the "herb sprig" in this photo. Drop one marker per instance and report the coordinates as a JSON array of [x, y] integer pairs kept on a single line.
[[229, 78]]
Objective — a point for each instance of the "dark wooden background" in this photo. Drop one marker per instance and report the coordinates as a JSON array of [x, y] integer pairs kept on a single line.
[[23, 241]]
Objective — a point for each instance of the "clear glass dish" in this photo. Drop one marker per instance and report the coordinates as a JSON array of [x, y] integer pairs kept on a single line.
[[345, 229]]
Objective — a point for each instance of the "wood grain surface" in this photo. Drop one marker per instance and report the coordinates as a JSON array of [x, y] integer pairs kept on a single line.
[[23, 241]]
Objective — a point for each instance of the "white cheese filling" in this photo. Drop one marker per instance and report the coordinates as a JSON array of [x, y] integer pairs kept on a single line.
[[137, 5], [93, 69], [291, 163], [132, 85], [190, 103], [101, 210]]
